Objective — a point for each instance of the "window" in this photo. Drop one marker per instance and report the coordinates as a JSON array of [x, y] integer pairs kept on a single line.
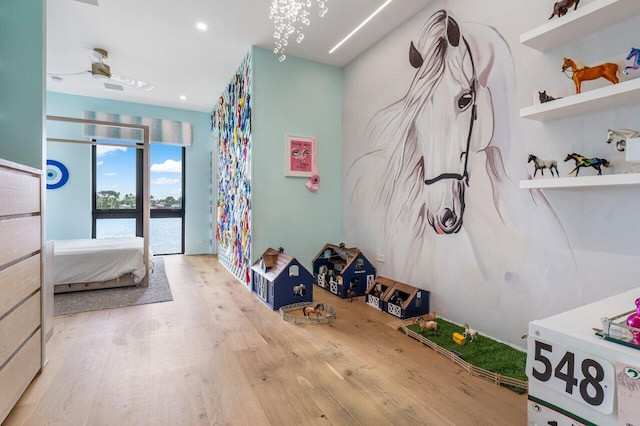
[[117, 200], [294, 271]]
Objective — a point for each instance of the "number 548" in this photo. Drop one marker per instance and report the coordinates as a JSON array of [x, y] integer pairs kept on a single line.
[[560, 369]]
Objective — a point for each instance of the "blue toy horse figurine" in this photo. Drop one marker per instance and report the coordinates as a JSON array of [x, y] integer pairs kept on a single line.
[[636, 64]]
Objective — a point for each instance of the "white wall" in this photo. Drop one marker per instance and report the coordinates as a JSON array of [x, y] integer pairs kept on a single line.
[[519, 255]]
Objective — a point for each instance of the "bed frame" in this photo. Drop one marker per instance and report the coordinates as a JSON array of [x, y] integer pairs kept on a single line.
[[127, 279], [124, 281]]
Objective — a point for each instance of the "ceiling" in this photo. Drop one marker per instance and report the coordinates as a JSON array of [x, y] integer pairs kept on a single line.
[[157, 42]]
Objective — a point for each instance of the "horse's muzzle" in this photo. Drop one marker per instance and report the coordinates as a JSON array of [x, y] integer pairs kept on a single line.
[[446, 223]]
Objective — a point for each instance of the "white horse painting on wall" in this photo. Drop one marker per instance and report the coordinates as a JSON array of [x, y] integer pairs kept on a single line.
[[437, 188]]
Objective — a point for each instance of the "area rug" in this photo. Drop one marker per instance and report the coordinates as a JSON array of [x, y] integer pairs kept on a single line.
[[94, 300]]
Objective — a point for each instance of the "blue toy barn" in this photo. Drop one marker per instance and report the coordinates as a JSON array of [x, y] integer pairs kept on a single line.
[[377, 291], [405, 301], [345, 272], [281, 280]]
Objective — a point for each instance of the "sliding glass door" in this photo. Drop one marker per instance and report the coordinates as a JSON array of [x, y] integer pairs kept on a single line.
[[117, 195]]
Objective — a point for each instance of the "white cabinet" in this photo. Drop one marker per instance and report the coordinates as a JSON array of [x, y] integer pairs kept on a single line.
[[572, 371]]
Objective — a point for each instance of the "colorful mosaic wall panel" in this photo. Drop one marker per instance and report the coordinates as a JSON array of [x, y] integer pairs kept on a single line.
[[232, 117]]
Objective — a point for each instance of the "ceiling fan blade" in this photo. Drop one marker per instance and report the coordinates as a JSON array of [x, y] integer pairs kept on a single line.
[[132, 82]]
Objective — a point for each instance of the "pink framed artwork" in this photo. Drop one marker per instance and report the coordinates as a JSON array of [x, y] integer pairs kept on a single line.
[[301, 156]]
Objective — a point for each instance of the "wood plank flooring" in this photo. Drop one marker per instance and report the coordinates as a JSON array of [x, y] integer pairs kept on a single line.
[[217, 355]]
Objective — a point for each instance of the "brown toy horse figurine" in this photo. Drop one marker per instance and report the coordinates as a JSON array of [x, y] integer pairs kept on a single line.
[[583, 73], [561, 7]]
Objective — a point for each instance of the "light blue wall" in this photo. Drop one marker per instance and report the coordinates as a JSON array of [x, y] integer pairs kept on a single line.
[[22, 81], [303, 98], [68, 209]]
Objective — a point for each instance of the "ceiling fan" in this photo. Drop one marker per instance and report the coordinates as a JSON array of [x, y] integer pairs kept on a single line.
[[102, 71]]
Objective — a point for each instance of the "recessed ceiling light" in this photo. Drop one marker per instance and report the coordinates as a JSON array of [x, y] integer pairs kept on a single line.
[[201, 26], [361, 25], [183, 97]]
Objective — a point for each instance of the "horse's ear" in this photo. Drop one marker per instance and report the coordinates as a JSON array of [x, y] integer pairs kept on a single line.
[[453, 32], [415, 58]]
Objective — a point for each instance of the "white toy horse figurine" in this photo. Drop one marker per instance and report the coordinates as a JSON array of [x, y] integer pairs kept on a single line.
[[470, 332], [623, 134]]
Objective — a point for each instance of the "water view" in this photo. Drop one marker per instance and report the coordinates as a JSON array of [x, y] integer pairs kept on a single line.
[[165, 236]]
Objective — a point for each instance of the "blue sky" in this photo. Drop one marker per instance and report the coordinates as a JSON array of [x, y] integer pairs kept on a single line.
[[116, 170]]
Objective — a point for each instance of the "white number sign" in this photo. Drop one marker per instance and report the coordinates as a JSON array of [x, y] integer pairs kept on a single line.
[[580, 376]]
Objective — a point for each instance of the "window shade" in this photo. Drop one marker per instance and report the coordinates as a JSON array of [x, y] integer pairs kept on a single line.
[[166, 132]]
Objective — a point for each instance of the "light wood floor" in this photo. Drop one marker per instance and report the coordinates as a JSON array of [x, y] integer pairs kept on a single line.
[[218, 355]]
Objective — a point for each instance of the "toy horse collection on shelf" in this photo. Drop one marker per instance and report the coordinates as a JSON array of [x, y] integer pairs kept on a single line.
[[582, 161], [540, 164], [560, 8], [623, 134], [581, 72]]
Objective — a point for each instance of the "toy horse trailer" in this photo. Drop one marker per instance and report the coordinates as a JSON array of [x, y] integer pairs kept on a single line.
[[285, 283], [377, 291], [339, 269], [405, 301]]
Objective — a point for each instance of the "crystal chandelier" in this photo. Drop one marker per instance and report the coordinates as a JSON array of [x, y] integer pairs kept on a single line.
[[289, 16]]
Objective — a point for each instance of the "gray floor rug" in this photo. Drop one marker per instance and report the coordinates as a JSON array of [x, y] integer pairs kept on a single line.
[[94, 300]]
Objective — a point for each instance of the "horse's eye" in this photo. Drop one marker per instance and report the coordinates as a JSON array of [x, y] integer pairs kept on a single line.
[[465, 100]]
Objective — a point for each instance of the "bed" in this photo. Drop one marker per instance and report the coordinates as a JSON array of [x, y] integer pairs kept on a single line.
[[89, 264]]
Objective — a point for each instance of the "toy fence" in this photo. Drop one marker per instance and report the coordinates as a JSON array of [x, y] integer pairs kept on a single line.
[[297, 319], [496, 378]]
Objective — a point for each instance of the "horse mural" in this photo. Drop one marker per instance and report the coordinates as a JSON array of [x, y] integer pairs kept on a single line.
[[434, 181]]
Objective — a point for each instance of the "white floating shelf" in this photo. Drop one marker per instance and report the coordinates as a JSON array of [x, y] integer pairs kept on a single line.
[[577, 23], [610, 96], [582, 181]]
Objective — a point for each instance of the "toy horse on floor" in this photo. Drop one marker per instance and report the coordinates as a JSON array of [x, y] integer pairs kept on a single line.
[[582, 72], [470, 332], [426, 324], [540, 164], [582, 161], [315, 310], [636, 64], [561, 7]]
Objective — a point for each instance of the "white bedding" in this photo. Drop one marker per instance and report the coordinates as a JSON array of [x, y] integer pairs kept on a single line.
[[97, 260]]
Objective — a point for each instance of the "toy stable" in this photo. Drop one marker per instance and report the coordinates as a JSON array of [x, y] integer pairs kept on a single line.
[[397, 299], [281, 280], [345, 272]]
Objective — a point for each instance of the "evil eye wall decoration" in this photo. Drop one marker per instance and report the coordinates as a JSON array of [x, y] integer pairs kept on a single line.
[[57, 174]]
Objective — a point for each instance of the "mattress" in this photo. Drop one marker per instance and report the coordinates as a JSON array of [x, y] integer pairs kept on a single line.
[[97, 260]]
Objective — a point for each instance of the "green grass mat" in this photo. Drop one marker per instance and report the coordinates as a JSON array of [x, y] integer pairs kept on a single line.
[[484, 352]]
